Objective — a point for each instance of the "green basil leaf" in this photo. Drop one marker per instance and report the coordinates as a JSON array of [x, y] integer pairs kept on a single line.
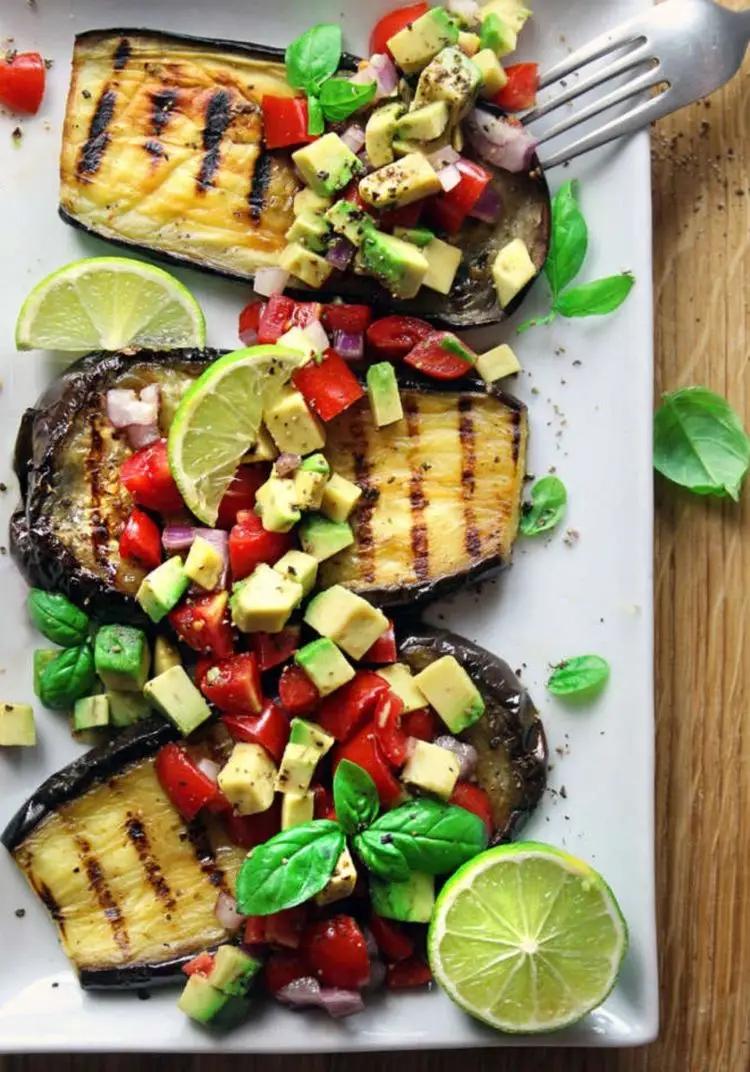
[[580, 677], [700, 444], [67, 677], [595, 299], [289, 868], [547, 507], [313, 57], [340, 98], [57, 618], [315, 121], [535, 322], [423, 835], [569, 239], [355, 797]]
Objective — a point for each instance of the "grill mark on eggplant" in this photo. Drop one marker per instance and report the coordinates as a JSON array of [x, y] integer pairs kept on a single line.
[[162, 106], [48, 899], [99, 529], [417, 498], [97, 141], [515, 418], [154, 149], [122, 54], [472, 539], [366, 508], [259, 186], [204, 854], [136, 831], [218, 118], [102, 892]]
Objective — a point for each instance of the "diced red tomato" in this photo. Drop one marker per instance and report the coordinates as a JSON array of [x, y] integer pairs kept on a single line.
[[449, 210], [390, 24], [364, 750], [383, 651], [282, 968], [389, 711], [185, 784], [392, 940], [250, 544], [438, 356], [140, 540], [519, 93], [336, 950], [297, 693], [249, 322], [202, 666], [339, 316], [285, 928], [422, 724], [405, 216], [408, 974], [147, 477], [322, 803], [240, 495], [275, 318], [273, 649], [203, 625], [328, 386], [255, 931], [270, 729], [22, 79], [351, 194], [233, 684], [343, 711], [247, 831], [393, 337], [305, 313], [476, 800], [200, 965], [285, 121]]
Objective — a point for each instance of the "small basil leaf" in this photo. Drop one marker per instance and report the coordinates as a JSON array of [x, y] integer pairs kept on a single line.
[[57, 618], [580, 677], [67, 677], [535, 322], [289, 868], [547, 507], [339, 98], [355, 797], [569, 239], [700, 444], [381, 856], [313, 57], [315, 121], [595, 299]]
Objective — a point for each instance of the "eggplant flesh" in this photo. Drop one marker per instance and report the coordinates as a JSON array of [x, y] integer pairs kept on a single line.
[[441, 489], [163, 151]]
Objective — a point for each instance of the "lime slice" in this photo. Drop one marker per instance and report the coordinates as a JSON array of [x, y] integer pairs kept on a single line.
[[108, 303], [218, 420], [527, 938]]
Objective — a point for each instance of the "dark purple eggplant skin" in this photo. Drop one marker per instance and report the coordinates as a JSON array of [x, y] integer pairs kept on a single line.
[[510, 733]]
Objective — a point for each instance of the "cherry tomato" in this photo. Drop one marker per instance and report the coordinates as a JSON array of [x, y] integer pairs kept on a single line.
[[147, 477], [282, 968], [328, 386], [273, 649], [404, 216], [140, 540], [202, 666], [343, 711], [233, 684], [250, 321], [275, 318], [447, 211], [390, 24], [336, 950], [305, 313], [297, 693], [474, 799], [270, 729], [202, 623], [240, 495], [383, 651], [323, 802], [364, 750], [255, 931], [422, 724], [339, 316], [389, 711], [408, 974], [391, 939], [250, 544], [22, 80], [285, 928], [393, 337], [519, 93], [439, 355], [185, 784], [247, 831], [285, 121]]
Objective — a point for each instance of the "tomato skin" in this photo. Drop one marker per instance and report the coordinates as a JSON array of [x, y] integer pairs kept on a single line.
[[200, 965], [185, 784], [364, 750], [285, 121], [448, 211], [391, 939], [329, 386], [323, 802], [22, 81], [519, 93], [247, 831], [275, 318], [254, 933], [285, 928], [282, 968], [233, 685], [408, 974], [270, 729], [240, 495], [305, 313], [140, 540], [201, 668], [392, 337], [393, 741], [343, 711], [250, 544], [201, 623], [249, 321], [147, 477], [273, 649], [336, 950], [297, 693], [391, 23], [474, 799], [383, 651], [405, 216], [422, 724], [343, 317], [432, 357]]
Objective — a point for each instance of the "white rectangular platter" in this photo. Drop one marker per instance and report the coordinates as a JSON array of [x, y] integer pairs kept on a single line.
[[588, 385]]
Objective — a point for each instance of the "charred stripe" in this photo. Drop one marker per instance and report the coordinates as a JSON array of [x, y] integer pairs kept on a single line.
[[48, 899], [136, 831], [122, 54], [517, 423], [204, 854], [102, 892], [363, 516], [154, 149], [472, 539], [162, 106], [417, 499], [97, 141], [259, 187], [218, 118], [99, 529]]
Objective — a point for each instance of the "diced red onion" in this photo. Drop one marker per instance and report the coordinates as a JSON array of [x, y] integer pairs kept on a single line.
[[286, 464], [349, 344], [340, 253], [249, 337], [467, 9], [316, 333], [501, 143], [307, 991], [386, 72], [465, 753], [489, 205], [219, 539], [377, 974], [354, 137], [270, 281], [126, 407], [141, 435], [449, 177], [209, 768], [176, 538], [226, 912], [441, 158]]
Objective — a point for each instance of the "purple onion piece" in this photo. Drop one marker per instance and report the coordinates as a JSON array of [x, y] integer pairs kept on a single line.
[[176, 538], [441, 158], [499, 142], [124, 408], [269, 281], [286, 464], [386, 73], [488, 207], [349, 344], [340, 253], [142, 435], [307, 992], [354, 137], [449, 177], [209, 768], [226, 912], [220, 540], [465, 753]]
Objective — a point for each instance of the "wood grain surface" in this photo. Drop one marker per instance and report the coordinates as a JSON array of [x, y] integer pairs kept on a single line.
[[702, 286]]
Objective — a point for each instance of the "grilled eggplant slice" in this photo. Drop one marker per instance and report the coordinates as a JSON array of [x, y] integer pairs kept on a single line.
[[441, 489], [163, 150], [131, 887]]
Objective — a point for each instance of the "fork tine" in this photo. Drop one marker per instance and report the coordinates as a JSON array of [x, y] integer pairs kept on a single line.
[[627, 34], [646, 81], [637, 118]]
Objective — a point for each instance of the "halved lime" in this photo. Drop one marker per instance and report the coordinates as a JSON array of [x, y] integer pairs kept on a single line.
[[108, 303], [527, 938], [218, 420]]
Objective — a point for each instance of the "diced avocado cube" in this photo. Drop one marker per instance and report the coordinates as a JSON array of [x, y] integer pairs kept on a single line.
[[498, 363], [496, 36], [308, 489], [491, 70], [247, 779], [310, 735], [316, 463], [163, 588], [90, 712], [340, 496], [175, 695], [296, 808], [417, 43], [275, 501], [308, 201], [432, 769], [201, 1001], [324, 664], [450, 690], [469, 43], [310, 230], [296, 769], [380, 132], [305, 265], [512, 270], [166, 654], [125, 708], [17, 728], [398, 265], [204, 564], [42, 656], [418, 236], [451, 77], [327, 164], [265, 601], [401, 681], [341, 883], [382, 391], [347, 619], [349, 221], [412, 178], [122, 657], [411, 901], [233, 971], [513, 13], [425, 123], [443, 261], [262, 450], [294, 427], [323, 538], [298, 567], [299, 340]]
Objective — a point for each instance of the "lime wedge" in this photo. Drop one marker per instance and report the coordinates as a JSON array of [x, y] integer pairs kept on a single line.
[[527, 938], [218, 420], [108, 303]]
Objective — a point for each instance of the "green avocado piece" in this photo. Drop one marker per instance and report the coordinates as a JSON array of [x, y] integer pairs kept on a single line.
[[411, 901], [398, 265], [163, 588], [349, 221], [205, 1004], [233, 971], [125, 708], [382, 390], [175, 695], [122, 657], [323, 538], [325, 665], [90, 712]]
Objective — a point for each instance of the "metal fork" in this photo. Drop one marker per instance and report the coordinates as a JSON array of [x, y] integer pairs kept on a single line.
[[676, 52]]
